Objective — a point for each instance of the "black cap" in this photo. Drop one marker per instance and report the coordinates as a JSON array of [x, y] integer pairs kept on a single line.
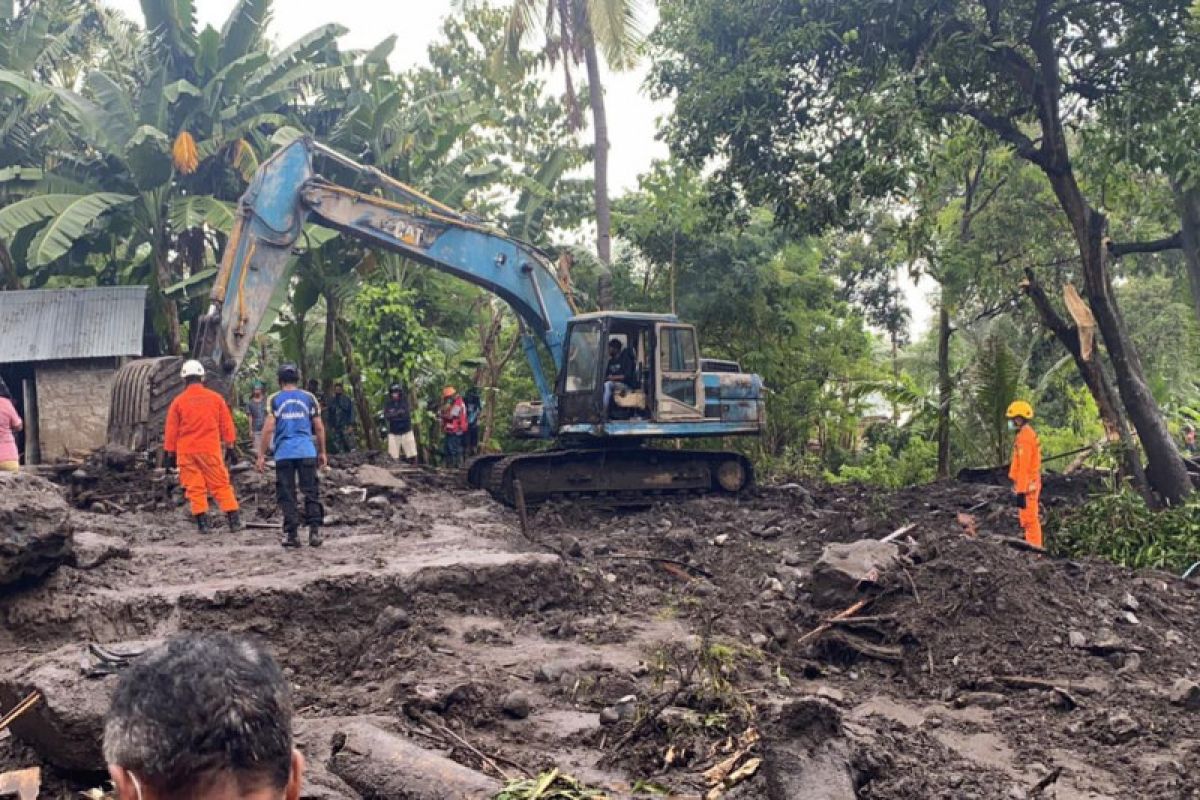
[[288, 373]]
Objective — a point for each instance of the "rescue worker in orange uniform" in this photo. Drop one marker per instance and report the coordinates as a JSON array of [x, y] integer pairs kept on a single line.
[[199, 425], [1026, 470]]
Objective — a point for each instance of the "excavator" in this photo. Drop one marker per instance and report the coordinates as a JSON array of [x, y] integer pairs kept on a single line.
[[603, 439]]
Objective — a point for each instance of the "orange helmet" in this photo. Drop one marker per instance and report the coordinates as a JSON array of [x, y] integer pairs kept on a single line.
[[449, 391]]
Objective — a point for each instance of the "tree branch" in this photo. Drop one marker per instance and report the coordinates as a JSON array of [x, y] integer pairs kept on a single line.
[[1172, 242]]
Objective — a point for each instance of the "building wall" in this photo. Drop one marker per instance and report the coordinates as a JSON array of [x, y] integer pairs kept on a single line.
[[72, 405]]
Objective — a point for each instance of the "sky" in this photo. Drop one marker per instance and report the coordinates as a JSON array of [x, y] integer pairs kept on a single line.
[[632, 115]]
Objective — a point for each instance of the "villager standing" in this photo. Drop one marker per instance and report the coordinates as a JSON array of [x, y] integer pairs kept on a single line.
[[1026, 470], [454, 426], [10, 424], [341, 420], [199, 428], [256, 410], [474, 404], [398, 415], [297, 435]]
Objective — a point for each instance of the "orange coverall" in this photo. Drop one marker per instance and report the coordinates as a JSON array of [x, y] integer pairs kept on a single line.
[[198, 421], [1026, 475]]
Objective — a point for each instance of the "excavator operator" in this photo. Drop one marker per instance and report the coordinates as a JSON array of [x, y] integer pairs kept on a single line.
[[620, 373], [198, 426], [1026, 470]]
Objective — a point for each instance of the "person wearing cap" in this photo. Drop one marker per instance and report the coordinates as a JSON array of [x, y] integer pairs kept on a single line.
[[199, 427], [1026, 470], [454, 426], [297, 434], [256, 410], [398, 415]]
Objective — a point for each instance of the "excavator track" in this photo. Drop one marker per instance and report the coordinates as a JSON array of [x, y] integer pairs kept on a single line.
[[141, 394], [625, 476]]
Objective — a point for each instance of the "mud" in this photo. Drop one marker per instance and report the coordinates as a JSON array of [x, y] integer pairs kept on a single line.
[[663, 647]]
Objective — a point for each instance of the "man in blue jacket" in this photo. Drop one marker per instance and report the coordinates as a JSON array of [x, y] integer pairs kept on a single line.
[[297, 434]]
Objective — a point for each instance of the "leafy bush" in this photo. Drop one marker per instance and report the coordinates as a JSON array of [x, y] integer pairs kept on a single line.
[[1121, 528], [915, 463]]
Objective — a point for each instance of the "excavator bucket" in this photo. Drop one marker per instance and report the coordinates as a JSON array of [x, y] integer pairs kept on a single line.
[[141, 393]]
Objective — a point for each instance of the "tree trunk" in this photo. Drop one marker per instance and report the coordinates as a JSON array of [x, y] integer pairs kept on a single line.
[[8, 270], [302, 349], [1092, 372], [163, 279], [370, 435], [604, 289], [945, 390], [327, 349], [1188, 203]]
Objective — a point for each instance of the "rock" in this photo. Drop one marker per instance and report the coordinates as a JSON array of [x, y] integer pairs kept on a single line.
[[1076, 639], [572, 547], [376, 763], [1130, 618], [772, 532], [793, 559], [1122, 727], [117, 457], [377, 479], [550, 672], [379, 501], [1130, 663], [831, 694], [806, 755], [609, 716], [861, 526], [675, 718], [1173, 637], [842, 567], [981, 699], [516, 705], [759, 640], [626, 707], [67, 726], [721, 539], [1129, 602], [390, 620], [1186, 693], [35, 529], [91, 550]]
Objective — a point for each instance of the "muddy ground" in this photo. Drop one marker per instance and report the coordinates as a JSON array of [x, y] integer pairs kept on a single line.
[[661, 649]]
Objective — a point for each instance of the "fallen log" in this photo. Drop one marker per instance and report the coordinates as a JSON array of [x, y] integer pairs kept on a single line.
[[880, 652], [1023, 682], [825, 626]]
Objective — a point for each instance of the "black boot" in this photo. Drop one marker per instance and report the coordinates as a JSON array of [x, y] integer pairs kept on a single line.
[[202, 523], [290, 539], [314, 536], [234, 520]]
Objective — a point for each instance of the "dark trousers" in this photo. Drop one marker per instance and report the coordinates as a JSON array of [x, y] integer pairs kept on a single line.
[[452, 448], [472, 440], [340, 440], [287, 471]]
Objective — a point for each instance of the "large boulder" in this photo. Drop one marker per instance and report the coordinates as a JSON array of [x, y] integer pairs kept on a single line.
[[67, 726], [805, 753], [842, 569], [35, 529], [378, 481]]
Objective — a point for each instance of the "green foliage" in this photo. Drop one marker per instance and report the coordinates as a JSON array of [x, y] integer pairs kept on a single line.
[[1120, 528], [393, 342], [886, 468], [551, 785]]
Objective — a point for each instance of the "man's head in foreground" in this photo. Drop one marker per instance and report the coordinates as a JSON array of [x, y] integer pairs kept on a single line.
[[203, 717]]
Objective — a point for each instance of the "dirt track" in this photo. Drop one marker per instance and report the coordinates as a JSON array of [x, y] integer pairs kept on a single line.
[[978, 670]]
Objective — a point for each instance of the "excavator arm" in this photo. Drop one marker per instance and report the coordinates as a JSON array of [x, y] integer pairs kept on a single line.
[[286, 194]]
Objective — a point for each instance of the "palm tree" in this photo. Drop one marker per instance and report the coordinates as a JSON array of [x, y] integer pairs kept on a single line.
[[575, 32]]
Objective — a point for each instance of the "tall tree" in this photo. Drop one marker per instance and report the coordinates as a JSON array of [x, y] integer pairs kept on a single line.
[[574, 32], [812, 105]]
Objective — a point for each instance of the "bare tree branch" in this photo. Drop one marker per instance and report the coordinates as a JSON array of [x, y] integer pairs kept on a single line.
[[1172, 242]]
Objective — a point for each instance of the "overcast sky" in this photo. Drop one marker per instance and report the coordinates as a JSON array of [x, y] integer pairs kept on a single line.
[[632, 115]]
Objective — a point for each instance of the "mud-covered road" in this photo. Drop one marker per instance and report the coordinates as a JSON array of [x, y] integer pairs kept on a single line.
[[665, 649]]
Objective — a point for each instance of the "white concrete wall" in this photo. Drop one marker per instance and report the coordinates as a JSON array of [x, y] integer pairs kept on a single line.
[[72, 399]]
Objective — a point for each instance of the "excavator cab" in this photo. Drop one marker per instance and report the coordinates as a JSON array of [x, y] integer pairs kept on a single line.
[[665, 384]]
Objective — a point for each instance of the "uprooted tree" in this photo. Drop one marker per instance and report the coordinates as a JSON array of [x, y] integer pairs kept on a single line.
[[816, 105]]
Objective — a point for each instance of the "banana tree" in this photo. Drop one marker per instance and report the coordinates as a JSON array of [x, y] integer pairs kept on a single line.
[[156, 148]]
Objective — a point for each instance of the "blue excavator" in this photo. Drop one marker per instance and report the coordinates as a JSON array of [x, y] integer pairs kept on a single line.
[[603, 437]]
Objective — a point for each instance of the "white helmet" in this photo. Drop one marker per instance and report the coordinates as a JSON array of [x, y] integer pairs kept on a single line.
[[192, 369]]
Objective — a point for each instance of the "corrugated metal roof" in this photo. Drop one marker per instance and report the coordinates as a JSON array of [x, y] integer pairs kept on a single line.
[[54, 324]]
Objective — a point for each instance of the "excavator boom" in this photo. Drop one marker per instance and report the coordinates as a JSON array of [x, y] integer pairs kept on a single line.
[[678, 396]]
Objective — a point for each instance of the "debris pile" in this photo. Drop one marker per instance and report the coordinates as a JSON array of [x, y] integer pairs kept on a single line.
[[739, 648], [35, 529]]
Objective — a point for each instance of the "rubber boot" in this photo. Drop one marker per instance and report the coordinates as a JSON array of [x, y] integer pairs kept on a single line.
[[202, 523], [234, 520], [290, 539], [314, 536]]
